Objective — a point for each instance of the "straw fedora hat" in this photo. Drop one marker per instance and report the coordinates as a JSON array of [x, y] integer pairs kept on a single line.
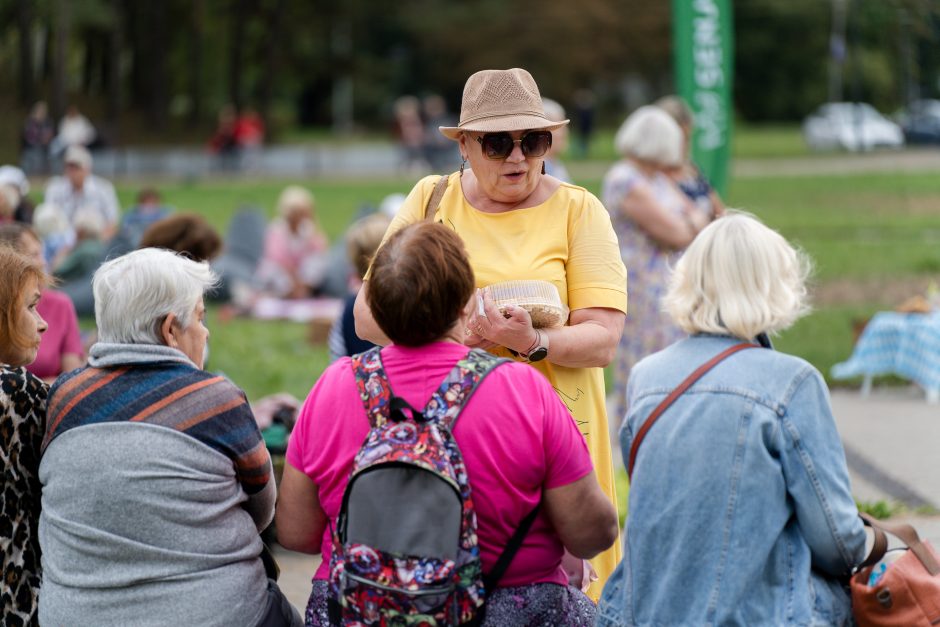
[[501, 100]]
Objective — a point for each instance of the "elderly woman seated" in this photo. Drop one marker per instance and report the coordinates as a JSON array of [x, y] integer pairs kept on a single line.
[[156, 481], [740, 504], [520, 445]]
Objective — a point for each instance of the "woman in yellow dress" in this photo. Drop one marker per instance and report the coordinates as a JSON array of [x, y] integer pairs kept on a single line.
[[519, 223]]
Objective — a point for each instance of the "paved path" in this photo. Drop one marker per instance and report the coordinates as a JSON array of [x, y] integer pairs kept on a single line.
[[296, 572], [891, 442]]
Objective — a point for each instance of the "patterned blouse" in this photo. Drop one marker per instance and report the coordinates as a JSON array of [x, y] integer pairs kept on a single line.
[[647, 328], [22, 423]]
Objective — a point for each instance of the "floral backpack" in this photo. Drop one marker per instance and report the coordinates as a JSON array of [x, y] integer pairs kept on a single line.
[[405, 544]]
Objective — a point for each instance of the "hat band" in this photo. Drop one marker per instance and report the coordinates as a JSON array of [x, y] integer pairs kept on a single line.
[[487, 116]]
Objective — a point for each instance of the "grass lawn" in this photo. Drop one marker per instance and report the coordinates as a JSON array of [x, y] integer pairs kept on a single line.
[[856, 228]]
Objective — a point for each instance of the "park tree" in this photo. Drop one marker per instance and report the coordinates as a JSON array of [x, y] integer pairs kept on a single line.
[[173, 64]]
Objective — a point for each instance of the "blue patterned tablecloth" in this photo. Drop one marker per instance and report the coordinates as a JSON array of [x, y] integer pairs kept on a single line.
[[904, 344]]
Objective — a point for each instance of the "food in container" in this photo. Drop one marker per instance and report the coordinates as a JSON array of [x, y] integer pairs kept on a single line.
[[539, 298]]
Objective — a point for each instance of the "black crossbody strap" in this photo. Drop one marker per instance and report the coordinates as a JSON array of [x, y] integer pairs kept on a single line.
[[491, 579]]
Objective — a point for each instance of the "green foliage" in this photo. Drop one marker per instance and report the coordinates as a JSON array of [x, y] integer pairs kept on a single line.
[[622, 483], [855, 228], [264, 357], [772, 84], [751, 141], [338, 201], [879, 509], [872, 225]]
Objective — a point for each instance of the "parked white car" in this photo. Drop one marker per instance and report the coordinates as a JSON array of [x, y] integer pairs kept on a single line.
[[850, 126]]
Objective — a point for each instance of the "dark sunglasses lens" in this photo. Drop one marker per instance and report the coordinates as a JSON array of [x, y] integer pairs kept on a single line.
[[497, 145], [537, 143]]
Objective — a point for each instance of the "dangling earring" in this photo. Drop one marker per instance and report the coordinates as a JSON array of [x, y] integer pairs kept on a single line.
[[462, 164], [543, 167]]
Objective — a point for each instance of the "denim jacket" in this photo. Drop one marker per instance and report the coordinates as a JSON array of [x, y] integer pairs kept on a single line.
[[740, 507]]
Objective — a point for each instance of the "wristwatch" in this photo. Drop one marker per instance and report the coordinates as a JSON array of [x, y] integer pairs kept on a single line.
[[539, 349]]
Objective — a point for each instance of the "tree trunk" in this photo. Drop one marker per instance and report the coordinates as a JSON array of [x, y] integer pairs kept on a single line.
[[62, 25], [275, 26], [196, 36], [236, 46], [115, 46], [159, 46], [24, 15]]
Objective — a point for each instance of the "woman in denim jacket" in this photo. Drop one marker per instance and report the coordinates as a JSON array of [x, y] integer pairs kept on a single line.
[[741, 511]]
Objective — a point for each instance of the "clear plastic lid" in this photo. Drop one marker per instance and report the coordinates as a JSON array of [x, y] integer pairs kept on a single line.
[[539, 298]]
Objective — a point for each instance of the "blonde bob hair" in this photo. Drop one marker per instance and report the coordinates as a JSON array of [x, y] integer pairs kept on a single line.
[[650, 134], [738, 277]]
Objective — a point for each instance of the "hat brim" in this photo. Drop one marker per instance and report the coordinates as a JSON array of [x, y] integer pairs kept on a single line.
[[503, 123]]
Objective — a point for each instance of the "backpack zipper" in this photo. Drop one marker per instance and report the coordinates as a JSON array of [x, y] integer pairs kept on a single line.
[[415, 593]]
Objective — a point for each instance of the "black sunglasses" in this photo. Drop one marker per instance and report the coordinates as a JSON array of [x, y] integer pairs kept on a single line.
[[500, 145]]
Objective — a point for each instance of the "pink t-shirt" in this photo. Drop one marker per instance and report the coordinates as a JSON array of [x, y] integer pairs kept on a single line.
[[61, 338], [516, 436]]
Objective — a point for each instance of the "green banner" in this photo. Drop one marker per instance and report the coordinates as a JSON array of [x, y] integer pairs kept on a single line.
[[703, 55]]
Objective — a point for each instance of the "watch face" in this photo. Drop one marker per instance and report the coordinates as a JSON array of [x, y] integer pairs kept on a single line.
[[538, 354]]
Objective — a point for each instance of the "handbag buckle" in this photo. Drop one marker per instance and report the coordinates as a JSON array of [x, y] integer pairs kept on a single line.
[[884, 598]]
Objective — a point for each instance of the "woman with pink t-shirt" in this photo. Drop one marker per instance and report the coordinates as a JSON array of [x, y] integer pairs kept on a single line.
[[295, 259], [519, 443]]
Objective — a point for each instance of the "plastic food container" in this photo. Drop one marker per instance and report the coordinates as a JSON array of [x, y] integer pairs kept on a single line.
[[539, 298]]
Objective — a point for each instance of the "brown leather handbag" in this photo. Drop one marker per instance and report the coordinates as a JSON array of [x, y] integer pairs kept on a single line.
[[907, 591]]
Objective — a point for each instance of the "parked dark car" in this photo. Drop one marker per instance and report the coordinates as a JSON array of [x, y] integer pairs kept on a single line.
[[921, 122]]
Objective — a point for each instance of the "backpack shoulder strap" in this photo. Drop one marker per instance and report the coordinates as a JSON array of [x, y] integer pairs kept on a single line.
[[676, 393], [374, 390], [435, 200], [457, 388]]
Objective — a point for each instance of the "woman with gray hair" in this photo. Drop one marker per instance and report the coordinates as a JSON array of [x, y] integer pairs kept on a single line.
[[742, 477], [654, 221], [156, 482], [686, 174]]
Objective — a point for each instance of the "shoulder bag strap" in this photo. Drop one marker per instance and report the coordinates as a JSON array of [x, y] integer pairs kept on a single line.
[[908, 535], [435, 200], [676, 393], [880, 545], [491, 579]]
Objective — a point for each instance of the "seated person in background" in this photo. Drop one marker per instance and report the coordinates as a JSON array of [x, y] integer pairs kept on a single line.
[[295, 256], [741, 512], [187, 233], [144, 429], [74, 130], [80, 188], [148, 210], [54, 230], [89, 250], [12, 175], [520, 445], [61, 347], [9, 199], [362, 240]]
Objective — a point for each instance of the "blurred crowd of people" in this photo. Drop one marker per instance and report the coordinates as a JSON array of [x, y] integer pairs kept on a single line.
[[415, 278], [238, 138], [43, 143], [415, 124]]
